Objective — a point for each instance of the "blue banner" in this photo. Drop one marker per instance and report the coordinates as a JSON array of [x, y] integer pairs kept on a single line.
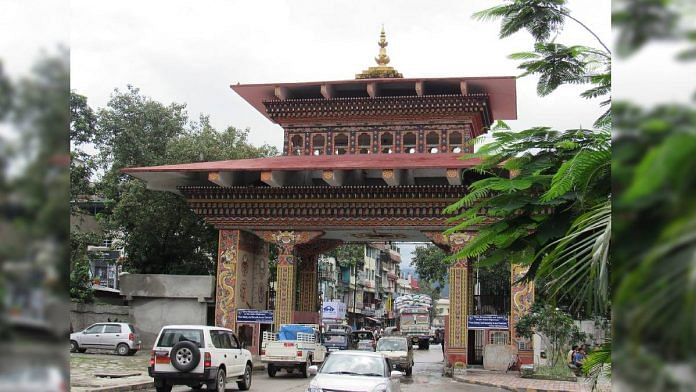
[[487, 322], [255, 316]]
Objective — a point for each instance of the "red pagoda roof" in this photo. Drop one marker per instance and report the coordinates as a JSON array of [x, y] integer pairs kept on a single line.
[[501, 91], [334, 170], [320, 162]]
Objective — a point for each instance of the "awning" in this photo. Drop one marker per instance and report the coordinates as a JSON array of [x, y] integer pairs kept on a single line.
[[378, 321]]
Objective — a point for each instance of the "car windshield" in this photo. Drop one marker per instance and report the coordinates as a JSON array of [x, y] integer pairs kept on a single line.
[[354, 365], [385, 344], [337, 339], [170, 337]]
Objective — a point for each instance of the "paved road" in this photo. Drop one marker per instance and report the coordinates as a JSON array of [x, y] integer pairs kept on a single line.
[[426, 374]]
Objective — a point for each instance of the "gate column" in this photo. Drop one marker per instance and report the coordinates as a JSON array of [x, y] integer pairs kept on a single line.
[[522, 298], [461, 297], [225, 290], [307, 281], [286, 269]]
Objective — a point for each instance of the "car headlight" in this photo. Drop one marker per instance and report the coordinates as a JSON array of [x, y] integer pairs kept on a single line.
[[380, 388], [314, 389]]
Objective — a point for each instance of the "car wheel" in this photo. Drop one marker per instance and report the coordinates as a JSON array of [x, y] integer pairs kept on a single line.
[[185, 356], [74, 347], [220, 381], [409, 370], [245, 383], [271, 370], [305, 368], [122, 349], [427, 345]]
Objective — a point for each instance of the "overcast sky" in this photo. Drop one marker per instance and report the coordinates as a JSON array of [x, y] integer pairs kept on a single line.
[[190, 52]]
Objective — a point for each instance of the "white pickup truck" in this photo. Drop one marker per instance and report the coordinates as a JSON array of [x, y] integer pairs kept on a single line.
[[295, 346]]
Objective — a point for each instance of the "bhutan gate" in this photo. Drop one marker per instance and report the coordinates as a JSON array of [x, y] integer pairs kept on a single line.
[[370, 159]]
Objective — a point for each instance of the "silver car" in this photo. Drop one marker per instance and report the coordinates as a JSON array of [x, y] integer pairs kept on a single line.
[[106, 336], [357, 371]]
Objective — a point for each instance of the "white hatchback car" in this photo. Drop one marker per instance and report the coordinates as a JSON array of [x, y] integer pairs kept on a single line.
[[197, 355], [348, 371]]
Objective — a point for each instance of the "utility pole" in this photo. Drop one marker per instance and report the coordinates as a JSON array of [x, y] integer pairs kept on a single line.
[[355, 294]]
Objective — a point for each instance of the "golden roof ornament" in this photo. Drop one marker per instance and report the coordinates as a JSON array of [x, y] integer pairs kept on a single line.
[[382, 70]]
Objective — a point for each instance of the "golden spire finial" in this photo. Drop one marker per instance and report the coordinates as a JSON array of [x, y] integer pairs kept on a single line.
[[381, 70], [382, 59]]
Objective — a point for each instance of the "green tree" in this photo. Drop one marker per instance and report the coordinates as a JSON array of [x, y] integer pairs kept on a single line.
[[431, 265], [348, 255], [160, 233], [80, 278], [555, 327], [545, 199]]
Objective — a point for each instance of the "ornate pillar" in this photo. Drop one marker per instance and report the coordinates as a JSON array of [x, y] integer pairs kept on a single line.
[[522, 297], [225, 298], [286, 269], [460, 288], [307, 282]]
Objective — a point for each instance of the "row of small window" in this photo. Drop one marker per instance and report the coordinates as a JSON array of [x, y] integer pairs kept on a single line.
[[409, 143]]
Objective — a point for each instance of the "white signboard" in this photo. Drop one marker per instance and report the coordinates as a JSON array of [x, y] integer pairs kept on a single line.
[[333, 310]]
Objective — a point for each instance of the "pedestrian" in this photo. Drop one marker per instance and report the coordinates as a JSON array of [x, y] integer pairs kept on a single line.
[[571, 353], [579, 357]]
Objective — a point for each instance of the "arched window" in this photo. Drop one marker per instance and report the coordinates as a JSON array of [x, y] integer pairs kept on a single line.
[[386, 143], [432, 142], [409, 142], [456, 144], [364, 143], [340, 144], [318, 144], [296, 145]]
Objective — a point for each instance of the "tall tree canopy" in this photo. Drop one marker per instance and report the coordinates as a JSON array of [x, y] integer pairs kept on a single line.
[[545, 199], [160, 233]]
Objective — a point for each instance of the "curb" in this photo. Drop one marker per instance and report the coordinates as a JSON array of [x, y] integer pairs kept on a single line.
[[490, 384], [503, 386], [124, 388]]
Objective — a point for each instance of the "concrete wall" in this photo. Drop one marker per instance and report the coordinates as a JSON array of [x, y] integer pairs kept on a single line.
[[149, 315], [158, 300], [84, 315], [167, 286]]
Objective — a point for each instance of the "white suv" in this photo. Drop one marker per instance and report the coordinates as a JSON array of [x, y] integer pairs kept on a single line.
[[197, 355]]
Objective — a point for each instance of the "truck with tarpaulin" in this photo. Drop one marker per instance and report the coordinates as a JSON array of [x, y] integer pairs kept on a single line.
[[413, 312], [293, 347]]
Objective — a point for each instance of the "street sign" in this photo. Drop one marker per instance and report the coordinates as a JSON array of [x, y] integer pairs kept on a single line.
[[254, 316], [487, 322]]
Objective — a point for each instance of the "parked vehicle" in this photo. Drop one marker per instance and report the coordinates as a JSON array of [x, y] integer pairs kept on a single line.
[[399, 351], [197, 355], [336, 340], [294, 347], [34, 378], [363, 340], [106, 336], [355, 371]]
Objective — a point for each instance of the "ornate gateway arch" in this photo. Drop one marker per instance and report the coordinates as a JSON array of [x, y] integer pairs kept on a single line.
[[371, 159]]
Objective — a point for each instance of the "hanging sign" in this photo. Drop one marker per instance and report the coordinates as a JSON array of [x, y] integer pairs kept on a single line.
[[487, 321], [333, 310]]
